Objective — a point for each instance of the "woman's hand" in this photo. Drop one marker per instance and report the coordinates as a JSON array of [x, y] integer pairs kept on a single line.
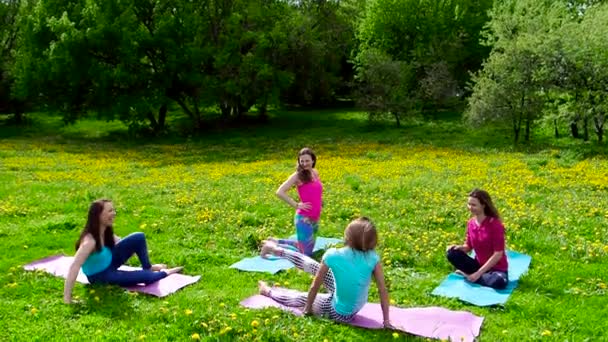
[[454, 247], [307, 311], [473, 277], [304, 206]]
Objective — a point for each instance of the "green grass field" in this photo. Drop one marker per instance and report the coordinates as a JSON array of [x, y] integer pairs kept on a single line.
[[206, 201]]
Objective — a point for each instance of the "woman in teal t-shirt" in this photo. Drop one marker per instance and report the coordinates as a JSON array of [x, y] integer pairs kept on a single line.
[[346, 273], [100, 253]]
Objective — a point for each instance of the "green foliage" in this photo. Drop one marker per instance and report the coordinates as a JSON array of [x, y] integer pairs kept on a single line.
[[130, 60], [546, 64], [438, 40], [9, 41]]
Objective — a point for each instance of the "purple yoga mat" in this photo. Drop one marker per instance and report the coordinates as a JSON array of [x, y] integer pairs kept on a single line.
[[59, 265], [432, 322]]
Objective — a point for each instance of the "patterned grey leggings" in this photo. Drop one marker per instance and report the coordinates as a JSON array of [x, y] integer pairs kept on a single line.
[[323, 302]]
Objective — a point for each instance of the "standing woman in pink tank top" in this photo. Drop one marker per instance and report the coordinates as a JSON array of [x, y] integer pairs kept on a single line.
[[308, 209]]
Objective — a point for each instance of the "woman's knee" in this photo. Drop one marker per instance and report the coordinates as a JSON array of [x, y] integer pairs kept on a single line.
[[137, 236], [500, 283], [452, 255]]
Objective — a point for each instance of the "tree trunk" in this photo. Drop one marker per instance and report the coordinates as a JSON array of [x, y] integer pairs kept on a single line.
[[18, 116], [574, 129], [528, 123], [225, 109], [586, 129], [153, 122], [263, 111], [598, 121], [162, 116], [396, 115], [556, 130]]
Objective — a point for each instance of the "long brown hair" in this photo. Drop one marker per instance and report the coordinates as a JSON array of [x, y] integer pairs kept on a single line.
[[305, 176], [92, 227], [361, 234], [484, 199]]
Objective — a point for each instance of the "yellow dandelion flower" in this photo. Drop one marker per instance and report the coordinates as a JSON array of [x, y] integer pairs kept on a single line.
[[196, 336], [34, 311], [225, 330], [546, 333], [188, 312], [395, 335], [255, 323]]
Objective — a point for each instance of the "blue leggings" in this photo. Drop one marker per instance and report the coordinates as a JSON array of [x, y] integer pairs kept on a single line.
[[132, 244], [306, 229]]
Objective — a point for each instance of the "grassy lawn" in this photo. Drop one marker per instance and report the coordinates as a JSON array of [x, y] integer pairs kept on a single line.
[[206, 201]]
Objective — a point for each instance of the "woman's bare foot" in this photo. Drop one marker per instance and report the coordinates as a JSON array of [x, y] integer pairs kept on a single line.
[[173, 270], [158, 267], [268, 247], [264, 288]]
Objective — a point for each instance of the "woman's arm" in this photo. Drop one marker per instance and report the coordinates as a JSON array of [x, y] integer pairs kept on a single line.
[[84, 250], [497, 239], [465, 248], [494, 259], [314, 288], [384, 301], [282, 193]]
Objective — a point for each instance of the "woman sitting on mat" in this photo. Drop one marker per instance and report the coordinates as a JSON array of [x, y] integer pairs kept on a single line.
[[100, 253], [485, 236], [346, 273], [308, 210]]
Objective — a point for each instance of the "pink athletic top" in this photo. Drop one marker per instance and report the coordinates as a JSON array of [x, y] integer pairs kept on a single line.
[[311, 192], [487, 238]]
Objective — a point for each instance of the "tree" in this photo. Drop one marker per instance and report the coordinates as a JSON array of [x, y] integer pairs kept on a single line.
[[515, 80], [385, 86], [130, 60], [507, 90], [587, 63], [9, 35], [439, 40]]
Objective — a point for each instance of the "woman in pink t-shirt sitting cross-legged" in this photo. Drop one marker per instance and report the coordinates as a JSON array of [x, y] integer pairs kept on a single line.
[[485, 236]]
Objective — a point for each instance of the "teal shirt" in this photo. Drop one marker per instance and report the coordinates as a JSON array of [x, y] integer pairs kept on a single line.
[[97, 261], [352, 275]]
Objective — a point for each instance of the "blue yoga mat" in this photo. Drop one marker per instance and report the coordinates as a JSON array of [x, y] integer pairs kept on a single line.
[[455, 285], [273, 264]]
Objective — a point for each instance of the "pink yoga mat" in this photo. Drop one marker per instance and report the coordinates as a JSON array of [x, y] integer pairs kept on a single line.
[[59, 266], [432, 322]]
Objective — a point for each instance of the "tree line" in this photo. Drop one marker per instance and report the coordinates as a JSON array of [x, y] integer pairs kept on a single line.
[[521, 63]]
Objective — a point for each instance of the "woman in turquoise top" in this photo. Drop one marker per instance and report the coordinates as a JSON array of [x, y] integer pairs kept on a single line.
[[346, 273], [100, 253]]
